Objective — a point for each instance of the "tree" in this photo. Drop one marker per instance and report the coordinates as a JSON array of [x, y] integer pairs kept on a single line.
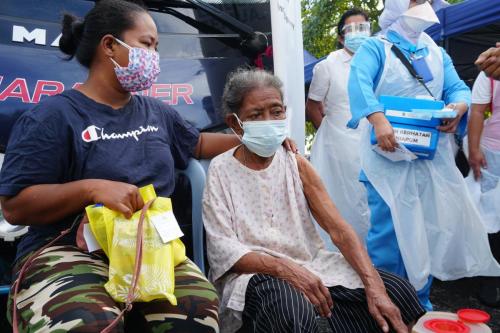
[[320, 18]]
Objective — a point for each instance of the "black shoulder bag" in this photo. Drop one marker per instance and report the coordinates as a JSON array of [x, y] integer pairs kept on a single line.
[[410, 68]]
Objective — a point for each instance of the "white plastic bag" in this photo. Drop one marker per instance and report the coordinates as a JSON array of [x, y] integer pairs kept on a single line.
[[486, 191]]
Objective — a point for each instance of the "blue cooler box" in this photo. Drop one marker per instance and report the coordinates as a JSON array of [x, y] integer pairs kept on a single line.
[[419, 135]]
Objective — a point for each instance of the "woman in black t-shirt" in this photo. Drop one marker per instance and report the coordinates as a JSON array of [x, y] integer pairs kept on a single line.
[[98, 144]]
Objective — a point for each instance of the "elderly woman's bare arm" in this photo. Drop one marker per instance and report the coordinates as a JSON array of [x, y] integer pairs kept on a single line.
[[346, 239], [329, 218]]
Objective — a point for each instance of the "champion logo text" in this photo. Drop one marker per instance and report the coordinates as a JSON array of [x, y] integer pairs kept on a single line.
[[94, 133]]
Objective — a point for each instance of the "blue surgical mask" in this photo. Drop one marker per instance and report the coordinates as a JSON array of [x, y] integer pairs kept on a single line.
[[353, 41], [263, 137]]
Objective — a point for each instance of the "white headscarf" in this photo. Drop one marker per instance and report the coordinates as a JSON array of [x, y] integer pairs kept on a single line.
[[393, 11]]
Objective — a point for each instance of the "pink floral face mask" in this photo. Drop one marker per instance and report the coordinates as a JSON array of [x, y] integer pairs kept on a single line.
[[142, 70]]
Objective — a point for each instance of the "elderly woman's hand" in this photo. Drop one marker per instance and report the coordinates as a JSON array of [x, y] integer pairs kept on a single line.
[[383, 310], [290, 145], [309, 284]]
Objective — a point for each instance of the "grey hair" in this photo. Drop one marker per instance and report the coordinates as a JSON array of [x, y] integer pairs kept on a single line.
[[241, 82]]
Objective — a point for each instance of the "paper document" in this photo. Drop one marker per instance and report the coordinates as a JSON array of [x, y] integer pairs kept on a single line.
[[440, 114], [400, 154], [167, 226], [445, 114], [89, 238], [488, 181]]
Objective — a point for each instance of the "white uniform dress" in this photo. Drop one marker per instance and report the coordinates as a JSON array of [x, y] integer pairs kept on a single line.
[[335, 151]]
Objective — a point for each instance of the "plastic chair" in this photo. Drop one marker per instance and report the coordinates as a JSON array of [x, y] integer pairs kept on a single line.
[[4, 290], [8, 233], [196, 173]]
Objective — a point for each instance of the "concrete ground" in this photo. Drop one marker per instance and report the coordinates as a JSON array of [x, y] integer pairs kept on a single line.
[[451, 296]]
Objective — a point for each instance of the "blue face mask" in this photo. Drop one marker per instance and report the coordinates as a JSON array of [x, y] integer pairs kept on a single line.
[[353, 41], [263, 137]]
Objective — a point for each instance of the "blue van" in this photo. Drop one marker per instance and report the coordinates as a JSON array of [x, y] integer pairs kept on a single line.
[[200, 43]]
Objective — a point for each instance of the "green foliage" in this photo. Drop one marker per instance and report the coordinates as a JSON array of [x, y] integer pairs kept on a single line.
[[310, 132], [320, 18]]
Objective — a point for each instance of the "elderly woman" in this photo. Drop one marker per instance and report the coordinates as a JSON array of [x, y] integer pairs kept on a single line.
[[267, 260]]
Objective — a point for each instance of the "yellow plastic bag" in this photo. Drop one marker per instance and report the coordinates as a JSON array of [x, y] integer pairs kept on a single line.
[[117, 237]]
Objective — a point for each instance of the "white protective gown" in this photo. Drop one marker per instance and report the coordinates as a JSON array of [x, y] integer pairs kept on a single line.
[[335, 151], [439, 229], [486, 191]]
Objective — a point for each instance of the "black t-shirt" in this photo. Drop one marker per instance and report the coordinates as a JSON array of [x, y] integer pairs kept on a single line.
[[70, 137]]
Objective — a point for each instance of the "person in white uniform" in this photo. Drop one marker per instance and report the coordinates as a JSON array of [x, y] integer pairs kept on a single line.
[[423, 221], [335, 151]]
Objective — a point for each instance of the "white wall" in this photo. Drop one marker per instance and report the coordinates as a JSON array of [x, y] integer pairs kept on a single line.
[[288, 48]]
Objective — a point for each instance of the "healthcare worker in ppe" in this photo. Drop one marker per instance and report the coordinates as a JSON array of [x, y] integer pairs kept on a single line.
[[423, 222], [335, 151]]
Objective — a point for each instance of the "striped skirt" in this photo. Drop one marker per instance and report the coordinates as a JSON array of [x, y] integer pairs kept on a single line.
[[273, 305]]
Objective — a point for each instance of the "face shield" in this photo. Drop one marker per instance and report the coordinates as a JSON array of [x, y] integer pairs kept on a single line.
[[419, 18], [355, 34], [358, 28]]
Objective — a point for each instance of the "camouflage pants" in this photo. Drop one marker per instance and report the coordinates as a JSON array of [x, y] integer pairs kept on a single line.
[[63, 291]]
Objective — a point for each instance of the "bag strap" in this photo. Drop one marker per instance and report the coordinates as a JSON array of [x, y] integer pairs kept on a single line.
[[23, 270], [132, 291], [137, 269], [410, 68], [492, 82]]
